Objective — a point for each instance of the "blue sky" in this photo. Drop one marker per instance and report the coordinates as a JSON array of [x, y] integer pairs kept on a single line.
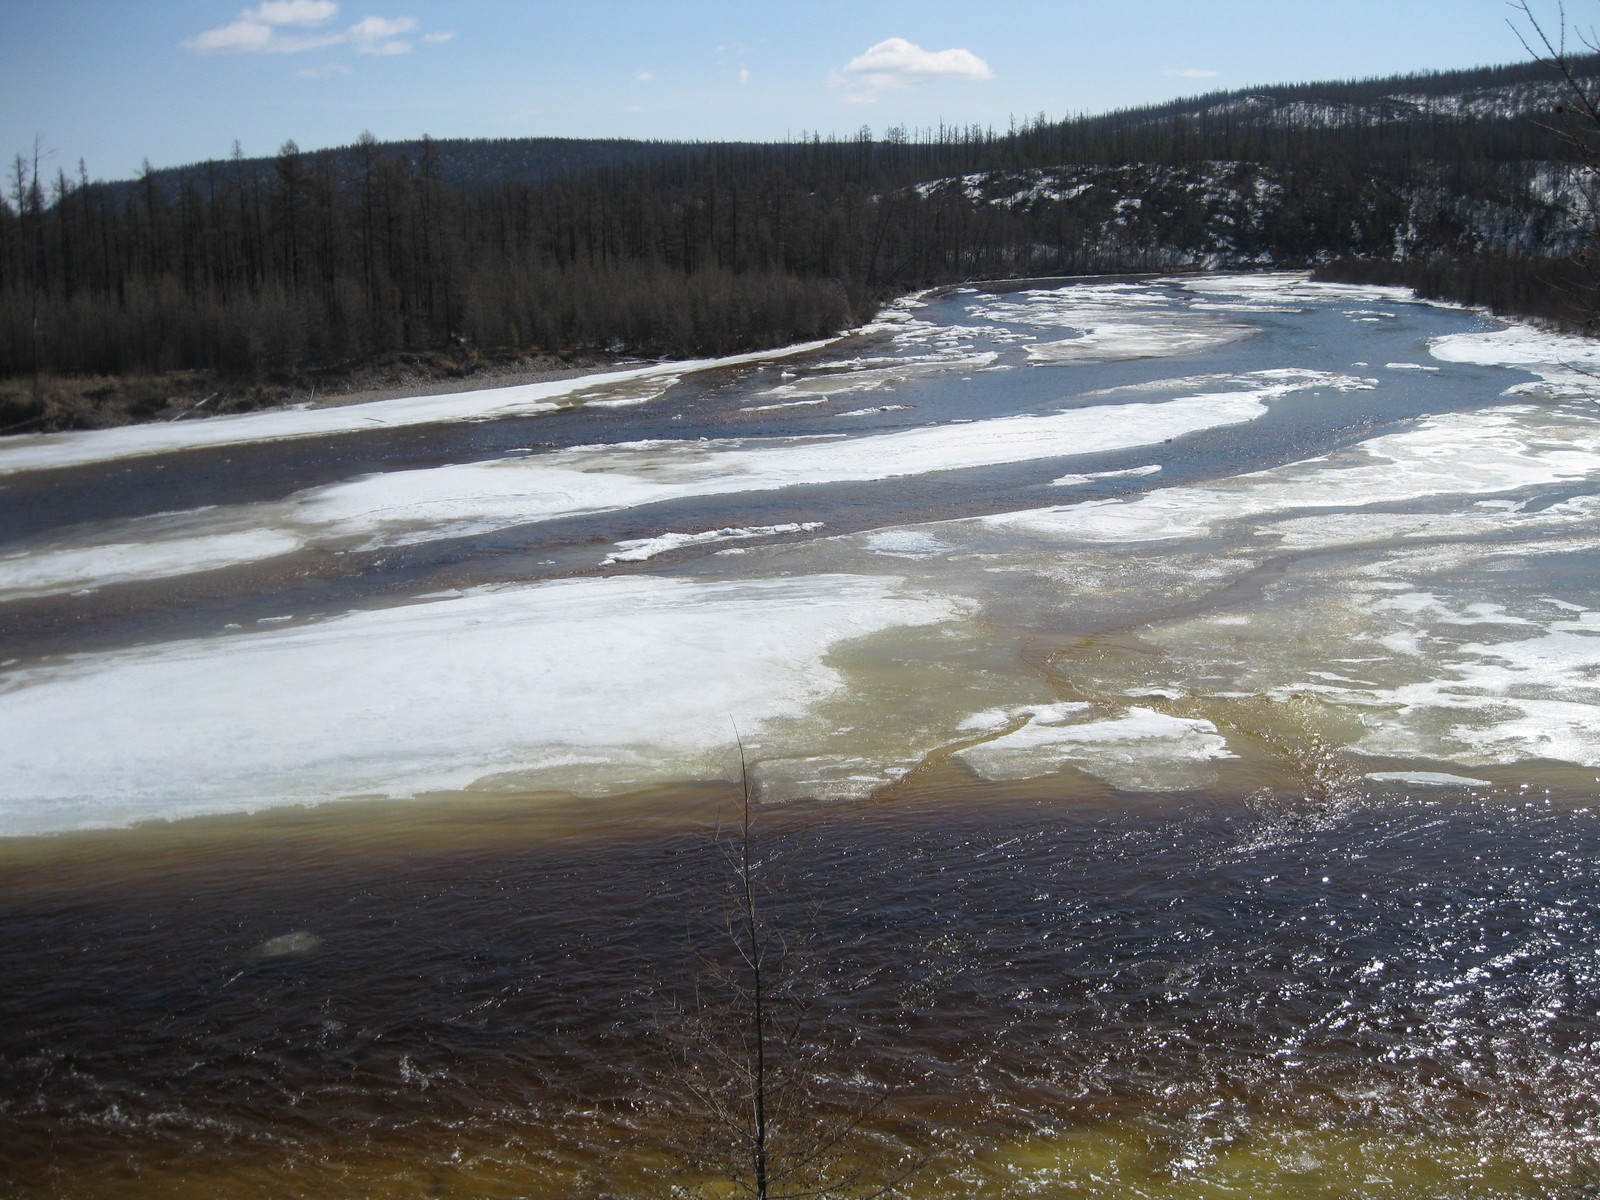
[[116, 81]]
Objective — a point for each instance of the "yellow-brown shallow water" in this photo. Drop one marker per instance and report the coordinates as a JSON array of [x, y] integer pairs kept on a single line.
[[1041, 989], [1176, 772]]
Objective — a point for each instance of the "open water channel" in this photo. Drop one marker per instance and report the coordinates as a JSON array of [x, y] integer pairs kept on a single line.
[[1173, 707]]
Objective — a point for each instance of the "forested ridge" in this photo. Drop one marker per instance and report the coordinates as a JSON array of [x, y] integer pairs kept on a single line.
[[309, 263]]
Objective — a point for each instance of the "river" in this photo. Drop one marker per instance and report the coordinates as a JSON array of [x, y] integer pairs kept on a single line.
[[1169, 706]]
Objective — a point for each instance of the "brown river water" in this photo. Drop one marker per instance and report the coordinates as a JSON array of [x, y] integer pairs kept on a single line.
[[1169, 707]]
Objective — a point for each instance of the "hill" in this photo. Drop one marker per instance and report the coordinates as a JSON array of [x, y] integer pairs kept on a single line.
[[462, 162], [311, 264]]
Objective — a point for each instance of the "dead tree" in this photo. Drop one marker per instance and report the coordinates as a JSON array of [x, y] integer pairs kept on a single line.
[[769, 1113], [1572, 95]]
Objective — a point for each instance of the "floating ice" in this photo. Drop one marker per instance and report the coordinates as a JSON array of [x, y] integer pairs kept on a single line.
[[905, 543], [286, 945], [641, 549], [1131, 472], [1113, 341], [1427, 779], [55, 572], [1288, 287], [1140, 750], [600, 682], [1475, 453], [41, 451], [1113, 322], [882, 408], [820, 386], [1568, 364], [1517, 346], [453, 501]]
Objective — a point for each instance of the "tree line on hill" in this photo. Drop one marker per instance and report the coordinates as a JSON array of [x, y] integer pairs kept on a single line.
[[311, 262]]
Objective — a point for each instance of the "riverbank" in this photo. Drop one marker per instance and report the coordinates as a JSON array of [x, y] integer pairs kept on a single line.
[[58, 402]]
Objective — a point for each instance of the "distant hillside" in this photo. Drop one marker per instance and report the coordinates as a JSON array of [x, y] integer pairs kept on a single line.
[[306, 265], [1475, 94], [461, 162]]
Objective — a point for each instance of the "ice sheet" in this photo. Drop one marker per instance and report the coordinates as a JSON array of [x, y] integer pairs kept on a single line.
[[634, 678], [1138, 748], [642, 549], [1427, 779], [42, 451], [57, 571], [1112, 322], [1131, 472], [1458, 454], [1289, 288], [459, 500], [1569, 363]]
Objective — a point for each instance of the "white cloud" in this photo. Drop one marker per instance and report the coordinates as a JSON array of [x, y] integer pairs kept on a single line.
[[1191, 73], [326, 71], [438, 37], [377, 35], [897, 63], [296, 26], [259, 30], [295, 12], [744, 74], [644, 76]]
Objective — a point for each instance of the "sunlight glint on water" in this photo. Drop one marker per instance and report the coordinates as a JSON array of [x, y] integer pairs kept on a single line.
[[1188, 799]]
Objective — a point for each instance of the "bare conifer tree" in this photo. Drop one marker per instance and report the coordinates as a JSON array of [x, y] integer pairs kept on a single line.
[[770, 1115], [1573, 98]]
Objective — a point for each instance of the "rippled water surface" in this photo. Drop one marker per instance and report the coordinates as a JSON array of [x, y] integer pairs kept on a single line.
[[1170, 704]]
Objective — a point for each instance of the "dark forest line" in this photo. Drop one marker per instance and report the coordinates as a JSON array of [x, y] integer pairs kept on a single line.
[[314, 264]]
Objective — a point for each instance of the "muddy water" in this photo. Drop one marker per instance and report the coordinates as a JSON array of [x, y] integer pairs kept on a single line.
[[1064, 995], [1171, 704]]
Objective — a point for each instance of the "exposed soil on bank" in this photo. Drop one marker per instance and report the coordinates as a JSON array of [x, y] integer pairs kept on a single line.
[[99, 402]]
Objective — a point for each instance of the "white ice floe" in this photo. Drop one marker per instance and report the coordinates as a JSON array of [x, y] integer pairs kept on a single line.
[[784, 404], [404, 507], [42, 451], [1473, 453], [1566, 362], [882, 408], [1140, 749], [1288, 287], [642, 549], [1517, 346], [55, 572], [1129, 473], [1427, 779], [1112, 322], [480, 497], [820, 386], [1116, 341], [1497, 701], [603, 683], [905, 543]]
